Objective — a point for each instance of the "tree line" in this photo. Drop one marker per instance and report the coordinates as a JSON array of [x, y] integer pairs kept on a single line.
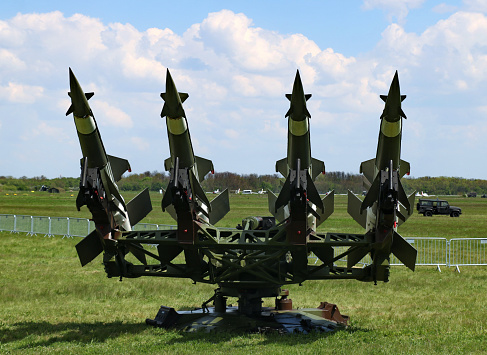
[[335, 180]]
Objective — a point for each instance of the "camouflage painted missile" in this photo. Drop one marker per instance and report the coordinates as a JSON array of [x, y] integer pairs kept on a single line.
[[99, 174], [299, 194], [184, 197], [386, 204]]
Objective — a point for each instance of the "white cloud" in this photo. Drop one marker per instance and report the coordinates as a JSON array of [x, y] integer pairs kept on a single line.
[[394, 8], [112, 116], [19, 93], [236, 75], [475, 5], [140, 143]]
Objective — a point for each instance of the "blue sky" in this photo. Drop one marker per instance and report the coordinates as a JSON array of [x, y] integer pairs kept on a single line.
[[237, 60]]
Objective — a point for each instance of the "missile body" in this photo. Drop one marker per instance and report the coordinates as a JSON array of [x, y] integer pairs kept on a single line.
[[386, 204], [99, 174], [184, 198], [299, 200]]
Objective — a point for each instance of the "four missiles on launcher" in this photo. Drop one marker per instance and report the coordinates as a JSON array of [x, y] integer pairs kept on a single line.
[[99, 174], [184, 193], [300, 169]]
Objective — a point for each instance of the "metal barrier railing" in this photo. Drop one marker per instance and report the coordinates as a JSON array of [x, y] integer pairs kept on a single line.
[[437, 252], [431, 252], [467, 251], [62, 226]]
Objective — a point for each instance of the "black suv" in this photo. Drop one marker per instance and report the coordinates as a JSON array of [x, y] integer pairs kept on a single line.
[[431, 207]]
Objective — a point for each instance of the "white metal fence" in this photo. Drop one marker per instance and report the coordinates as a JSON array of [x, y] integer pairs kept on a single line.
[[431, 251], [62, 226]]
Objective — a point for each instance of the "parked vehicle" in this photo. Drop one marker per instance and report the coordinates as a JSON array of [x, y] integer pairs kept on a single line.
[[430, 207]]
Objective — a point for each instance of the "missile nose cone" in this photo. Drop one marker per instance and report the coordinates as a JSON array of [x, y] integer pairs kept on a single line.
[[298, 100], [298, 90], [79, 100], [392, 110], [172, 99], [394, 90]]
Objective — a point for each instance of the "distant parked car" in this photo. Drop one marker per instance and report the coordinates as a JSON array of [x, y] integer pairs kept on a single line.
[[472, 194], [430, 207]]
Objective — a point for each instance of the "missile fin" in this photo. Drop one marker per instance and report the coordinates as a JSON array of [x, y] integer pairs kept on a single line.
[[403, 213], [89, 248], [383, 97], [402, 197], [404, 251], [404, 168], [282, 167], [307, 97], [111, 188], [372, 194], [166, 200], [356, 255], [368, 169], [317, 167], [220, 206], [284, 195], [139, 207], [179, 112], [204, 167], [289, 112], [289, 96], [402, 114], [168, 164], [183, 96], [198, 191], [403, 97], [353, 209], [312, 193], [88, 96], [329, 204], [119, 166], [282, 212]]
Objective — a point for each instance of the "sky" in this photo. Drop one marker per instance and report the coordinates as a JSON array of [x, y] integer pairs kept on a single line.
[[237, 60]]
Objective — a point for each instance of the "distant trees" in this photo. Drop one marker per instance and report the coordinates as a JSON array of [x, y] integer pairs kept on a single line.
[[335, 180]]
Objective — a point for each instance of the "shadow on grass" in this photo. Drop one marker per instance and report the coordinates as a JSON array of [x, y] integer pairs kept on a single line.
[[45, 334]]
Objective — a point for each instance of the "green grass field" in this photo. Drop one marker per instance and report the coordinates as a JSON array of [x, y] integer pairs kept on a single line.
[[49, 304]]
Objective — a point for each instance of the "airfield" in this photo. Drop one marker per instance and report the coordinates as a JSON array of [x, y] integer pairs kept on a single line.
[[51, 304]]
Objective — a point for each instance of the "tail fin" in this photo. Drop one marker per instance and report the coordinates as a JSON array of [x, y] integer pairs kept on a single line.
[[354, 209], [313, 194], [404, 213], [368, 169], [220, 206], [204, 167], [119, 166], [329, 206], [404, 168], [89, 248], [317, 167], [282, 167], [282, 212], [404, 251], [139, 207]]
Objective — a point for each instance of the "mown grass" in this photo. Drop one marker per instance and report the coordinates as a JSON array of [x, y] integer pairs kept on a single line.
[[49, 304]]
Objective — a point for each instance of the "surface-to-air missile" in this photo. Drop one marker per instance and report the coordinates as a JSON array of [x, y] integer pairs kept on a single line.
[[99, 175], [299, 200], [184, 199], [386, 204]]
